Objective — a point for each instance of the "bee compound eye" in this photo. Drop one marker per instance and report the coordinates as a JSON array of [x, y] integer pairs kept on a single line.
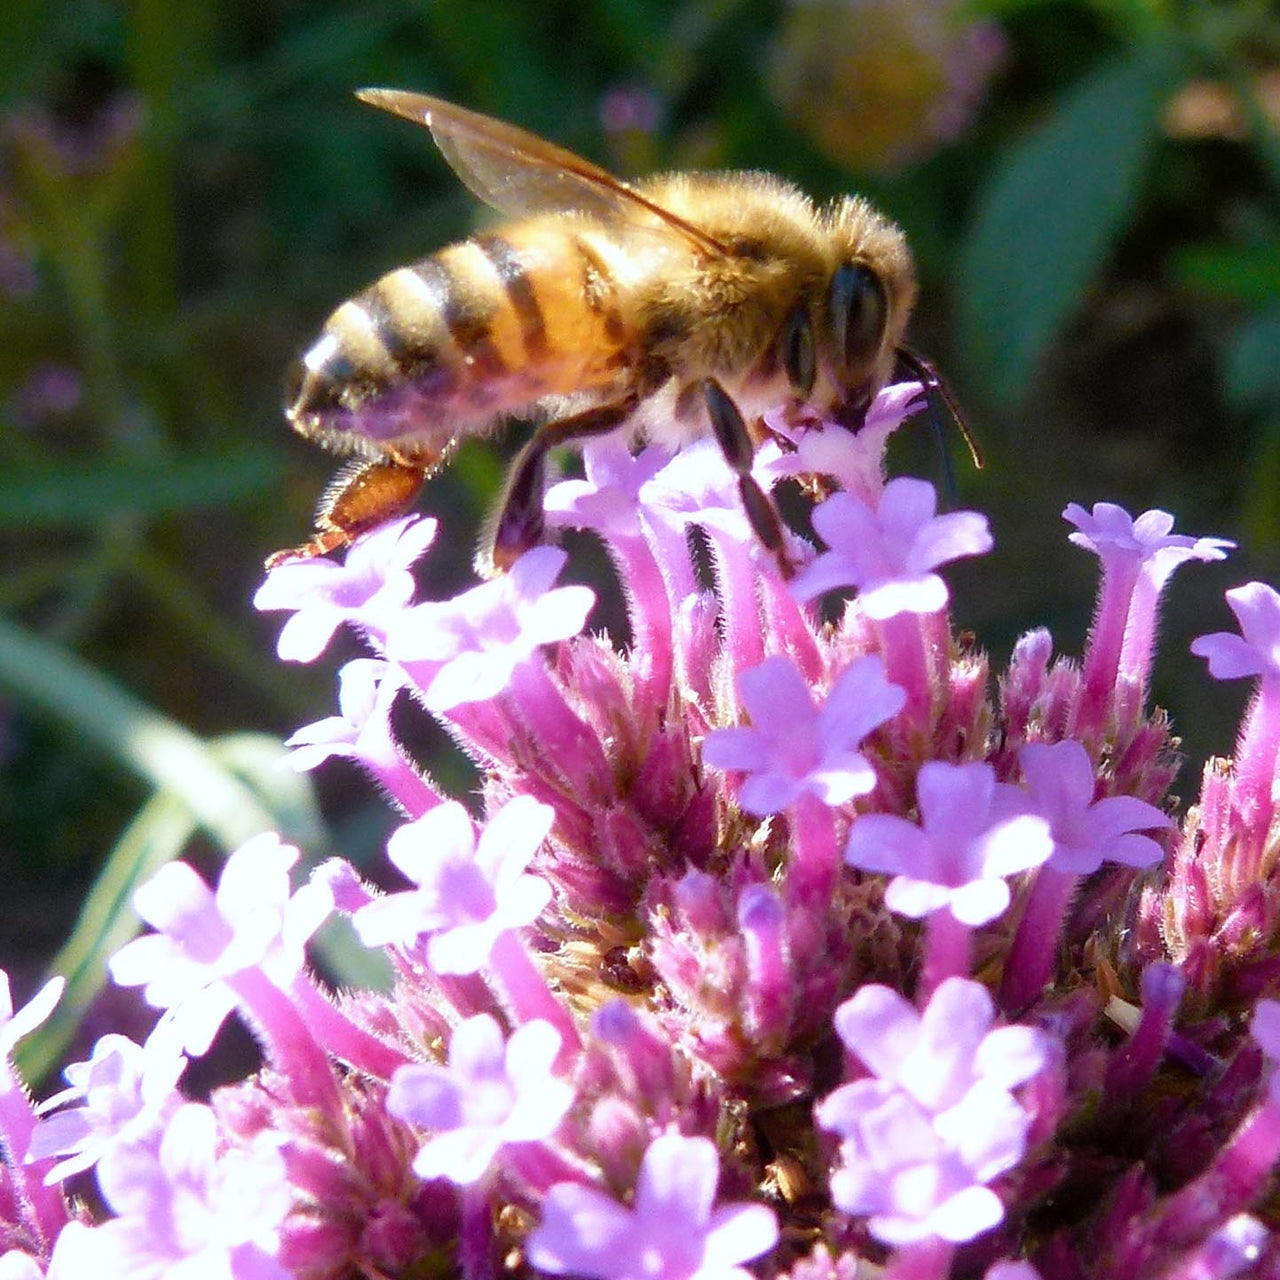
[[797, 351], [859, 313]]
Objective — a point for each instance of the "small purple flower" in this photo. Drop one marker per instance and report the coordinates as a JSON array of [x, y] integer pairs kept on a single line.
[[972, 835], [128, 1092], [794, 747], [1256, 651], [491, 1094], [1138, 557], [1086, 833], [671, 1232], [465, 649], [363, 733], [854, 458], [937, 1122], [203, 937], [370, 588], [697, 486], [366, 689], [468, 891], [191, 1209], [889, 554], [1111, 533], [608, 499]]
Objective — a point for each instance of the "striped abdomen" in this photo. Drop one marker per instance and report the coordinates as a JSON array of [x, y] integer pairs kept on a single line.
[[445, 347]]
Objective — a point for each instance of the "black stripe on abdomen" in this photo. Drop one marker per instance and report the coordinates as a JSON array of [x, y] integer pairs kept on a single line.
[[513, 273]]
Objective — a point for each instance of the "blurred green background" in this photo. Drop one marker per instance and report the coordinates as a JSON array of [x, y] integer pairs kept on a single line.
[[187, 188]]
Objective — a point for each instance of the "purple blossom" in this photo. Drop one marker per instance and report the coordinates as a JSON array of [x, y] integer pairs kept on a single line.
[[187, 1209], [466, 649], [794, 747], [128, 1092], [854, 458], [889, 554], [370, 588], [38, 1213], [1112, 534], [363, 733], [367, 687], [671, 1232], [608, 499], [469, 890], [1138, 557], [489, 1095], [1086, 833], [937, 1122], [1256, 651], [204, 936], [697, 486], [971, 836]]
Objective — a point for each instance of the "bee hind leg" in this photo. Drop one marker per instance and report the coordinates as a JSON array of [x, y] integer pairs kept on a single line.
[[360, 497], [739, 451], [519, 523]]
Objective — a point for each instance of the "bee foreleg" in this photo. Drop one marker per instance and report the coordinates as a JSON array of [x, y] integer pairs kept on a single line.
[[360, 498], [519, 523], [739, 451]]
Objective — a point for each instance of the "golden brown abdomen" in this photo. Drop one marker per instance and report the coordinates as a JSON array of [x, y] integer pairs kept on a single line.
[[444, 348]]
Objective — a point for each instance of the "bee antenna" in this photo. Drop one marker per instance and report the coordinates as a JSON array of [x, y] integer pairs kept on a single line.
[[936, 391]]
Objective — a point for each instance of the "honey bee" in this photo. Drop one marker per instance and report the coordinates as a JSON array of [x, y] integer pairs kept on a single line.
[[684, 304]]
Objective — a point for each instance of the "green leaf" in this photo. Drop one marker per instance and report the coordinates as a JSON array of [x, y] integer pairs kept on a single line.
[[1053, 211], [100, 713], [45, 496], [158, 833]]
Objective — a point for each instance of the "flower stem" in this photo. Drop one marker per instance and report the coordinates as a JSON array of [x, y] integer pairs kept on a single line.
[[1034, 953], [528, 993], [291, 1048], [46, 1206], [948, 952]]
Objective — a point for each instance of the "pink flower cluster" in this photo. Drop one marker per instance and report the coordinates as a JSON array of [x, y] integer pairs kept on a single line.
[[772, 946]]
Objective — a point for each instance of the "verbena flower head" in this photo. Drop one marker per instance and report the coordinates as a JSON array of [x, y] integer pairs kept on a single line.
[[782, 941]]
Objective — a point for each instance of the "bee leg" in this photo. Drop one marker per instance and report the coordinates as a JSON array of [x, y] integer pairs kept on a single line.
[[519, 522], [360, 497], [739, 452]]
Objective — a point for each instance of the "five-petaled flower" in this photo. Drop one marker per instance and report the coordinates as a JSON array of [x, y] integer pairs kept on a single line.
[[794, 747], [469, 890], [466, 649], [973, 834], [671, 1231], [491, 1093], [889, 554], [369, 589]]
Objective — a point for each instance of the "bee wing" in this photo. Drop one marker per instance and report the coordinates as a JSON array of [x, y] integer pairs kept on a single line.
[[519, 173]]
